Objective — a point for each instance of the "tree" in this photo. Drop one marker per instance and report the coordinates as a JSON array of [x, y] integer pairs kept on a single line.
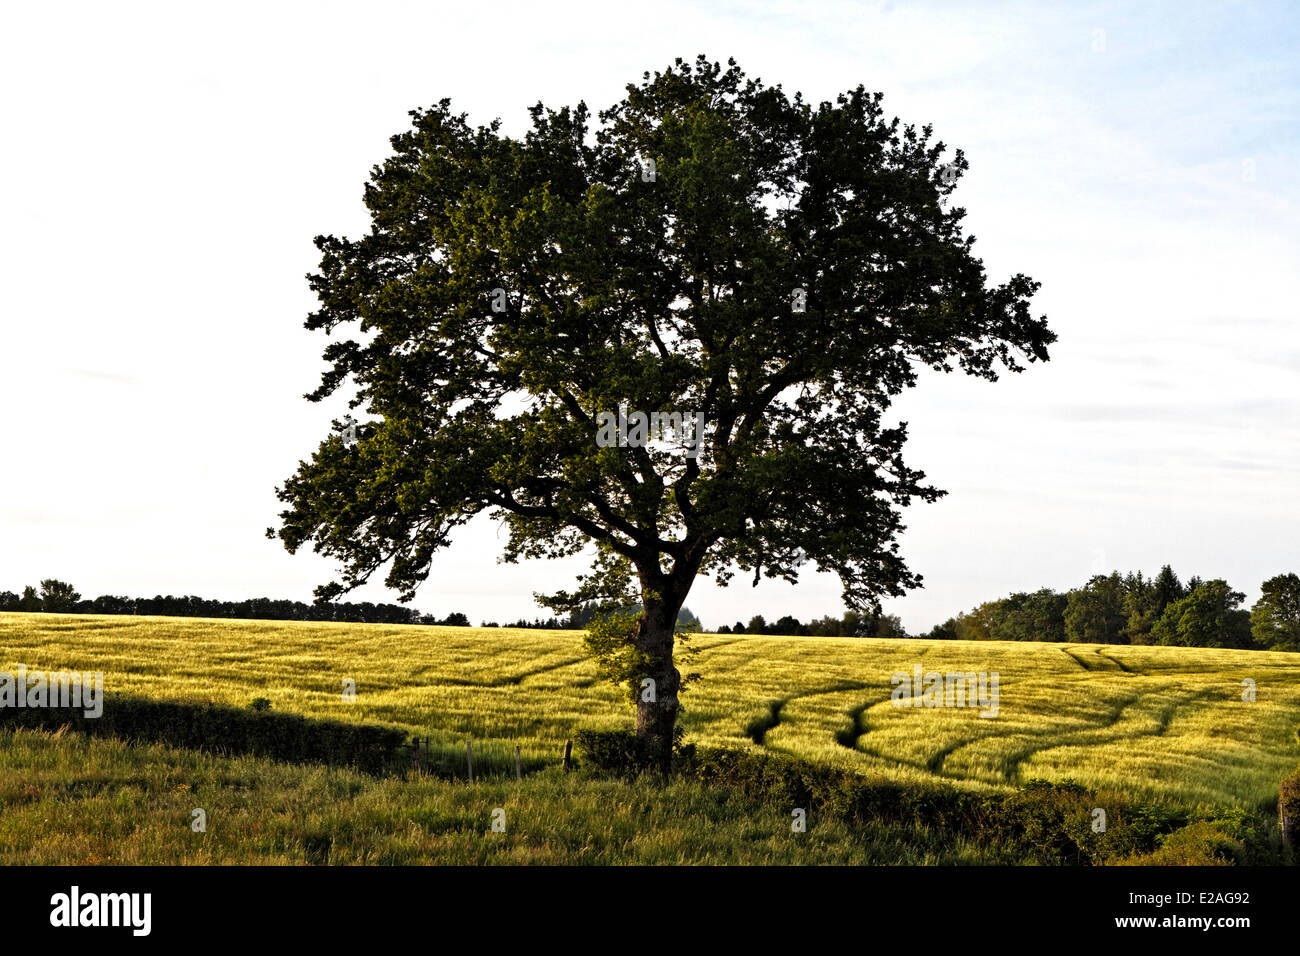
[[30, 601], [58, 597], [947, 631], [1036, 616], [854, 623], [977, 625], [1140, 613], [787, 624], [773, 273], [1275, 618], [1168, 588], [889, 626], [1206, 617], [826, 626], [1094, 614]]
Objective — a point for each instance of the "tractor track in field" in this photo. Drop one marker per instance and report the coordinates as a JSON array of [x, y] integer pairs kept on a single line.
[[1012, 770], [848, 737], [936, 761], [519, 678], [513, 680], [1089, 665], [757, 729], [1118, 663]]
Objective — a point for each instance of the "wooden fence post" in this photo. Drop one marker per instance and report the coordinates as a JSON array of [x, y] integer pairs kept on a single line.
[[1288, 824], [568, 749]]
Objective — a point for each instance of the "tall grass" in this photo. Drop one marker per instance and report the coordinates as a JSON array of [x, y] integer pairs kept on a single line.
[[67, 799]]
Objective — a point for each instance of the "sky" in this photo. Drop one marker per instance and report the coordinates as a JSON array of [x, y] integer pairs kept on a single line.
[[165, 168]]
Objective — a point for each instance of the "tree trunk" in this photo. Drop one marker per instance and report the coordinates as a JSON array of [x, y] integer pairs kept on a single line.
[[656, 700]]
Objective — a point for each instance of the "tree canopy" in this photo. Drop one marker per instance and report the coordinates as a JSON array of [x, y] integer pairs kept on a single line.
[[711, 248]]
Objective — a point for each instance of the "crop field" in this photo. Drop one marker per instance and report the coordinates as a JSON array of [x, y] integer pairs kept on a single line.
[[1151, 722]]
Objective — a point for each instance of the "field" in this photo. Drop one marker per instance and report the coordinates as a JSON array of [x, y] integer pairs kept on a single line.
[[1150, 722]]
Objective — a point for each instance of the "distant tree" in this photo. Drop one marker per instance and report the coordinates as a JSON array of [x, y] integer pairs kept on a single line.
[[787, 624], [8, 601], [978, 624], [1168, 588], [1094, 614], [756, 625], [1036, 616], [1207, 617], [725, 629], [947, 631], [889, 626], [826, 626], [689, 622], [1275, 618], [738, 628], [30, 601], [456, 619], [1141, 608], [855, 623]]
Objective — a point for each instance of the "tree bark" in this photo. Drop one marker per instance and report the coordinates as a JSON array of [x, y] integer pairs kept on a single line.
[[656, 703]]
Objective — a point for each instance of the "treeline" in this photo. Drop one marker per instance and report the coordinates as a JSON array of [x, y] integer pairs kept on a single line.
[[1133, 609], [852, 624], [584, 615], [59, 597]]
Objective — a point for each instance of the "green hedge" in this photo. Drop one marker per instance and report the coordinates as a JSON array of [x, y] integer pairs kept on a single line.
[[228, 730], [1288, 807], [1047, 823]]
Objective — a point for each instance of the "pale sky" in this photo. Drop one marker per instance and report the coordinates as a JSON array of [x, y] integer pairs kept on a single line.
[[165, 168]]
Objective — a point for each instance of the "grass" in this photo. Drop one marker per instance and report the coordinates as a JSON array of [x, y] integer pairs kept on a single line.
[[1150, 722], [68, 799]]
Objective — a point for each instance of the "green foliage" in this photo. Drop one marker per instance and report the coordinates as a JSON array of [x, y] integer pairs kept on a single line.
[[1288, 807], [622, 753], [1042, 822], [30, 601], [1201, 843], [221, 729], [610, 642], [1039, 616], [1206, 617], [1094, 614], [977, 625], [58, 597], [947, 631], [1275, 618], [259, 704]]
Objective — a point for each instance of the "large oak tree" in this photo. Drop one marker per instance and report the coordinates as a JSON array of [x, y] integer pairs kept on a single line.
[[710, 246]]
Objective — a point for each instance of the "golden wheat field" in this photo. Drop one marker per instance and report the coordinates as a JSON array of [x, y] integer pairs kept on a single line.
[[1148, 721]]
